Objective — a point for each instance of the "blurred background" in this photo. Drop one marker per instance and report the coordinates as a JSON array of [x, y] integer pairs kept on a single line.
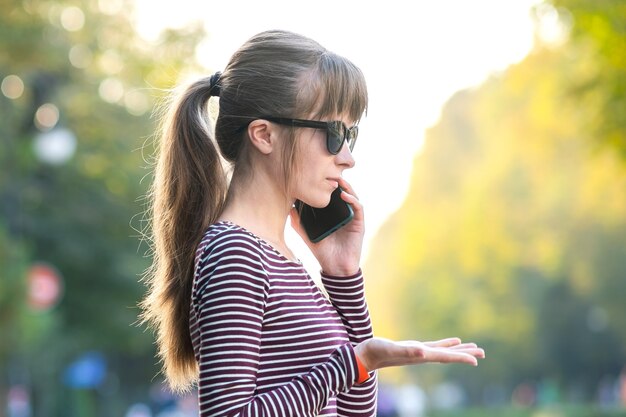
[[497, 200]]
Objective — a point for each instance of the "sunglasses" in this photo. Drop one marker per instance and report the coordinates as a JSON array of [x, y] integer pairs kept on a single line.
[[336, 131]]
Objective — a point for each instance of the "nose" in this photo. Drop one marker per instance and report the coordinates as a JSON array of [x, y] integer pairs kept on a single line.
[[345, 158]]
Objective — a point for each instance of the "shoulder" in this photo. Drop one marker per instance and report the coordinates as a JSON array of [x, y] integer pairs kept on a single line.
[[230, 262], [224, 235], [224, 241], [229, 252]]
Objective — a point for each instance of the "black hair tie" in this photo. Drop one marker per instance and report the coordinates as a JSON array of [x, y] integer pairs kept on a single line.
[[214, 84]]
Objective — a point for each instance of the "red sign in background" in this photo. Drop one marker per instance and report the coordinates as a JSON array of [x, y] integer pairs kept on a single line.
[[44, 286]]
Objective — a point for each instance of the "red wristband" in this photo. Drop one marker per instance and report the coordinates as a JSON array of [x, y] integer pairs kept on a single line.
[[363, 374]]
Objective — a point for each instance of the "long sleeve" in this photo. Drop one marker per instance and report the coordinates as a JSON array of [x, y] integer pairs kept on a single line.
[[229, 301], [347, 294]]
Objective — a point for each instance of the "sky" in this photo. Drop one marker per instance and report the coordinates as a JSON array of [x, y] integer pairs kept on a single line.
[[414, 54]]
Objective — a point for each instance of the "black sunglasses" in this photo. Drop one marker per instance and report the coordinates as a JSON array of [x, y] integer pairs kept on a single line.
[[336, 131]]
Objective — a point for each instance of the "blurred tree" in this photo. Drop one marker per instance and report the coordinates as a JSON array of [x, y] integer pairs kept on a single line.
[[513, 222], [78, 68], [570, 345], [598, 32]]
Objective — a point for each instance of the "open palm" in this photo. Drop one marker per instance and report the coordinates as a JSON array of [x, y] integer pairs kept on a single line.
[[379, 353]]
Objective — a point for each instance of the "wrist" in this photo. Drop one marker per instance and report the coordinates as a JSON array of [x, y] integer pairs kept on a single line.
[[363, 373], [341, 272]]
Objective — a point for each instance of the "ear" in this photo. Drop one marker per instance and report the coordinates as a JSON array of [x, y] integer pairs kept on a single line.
[[262, 136]]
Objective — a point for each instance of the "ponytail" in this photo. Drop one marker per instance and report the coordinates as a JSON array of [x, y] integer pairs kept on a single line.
[[187, 195]]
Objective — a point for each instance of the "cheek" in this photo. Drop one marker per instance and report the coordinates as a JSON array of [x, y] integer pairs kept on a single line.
[[302, 155], [311, 167], [298, 171]]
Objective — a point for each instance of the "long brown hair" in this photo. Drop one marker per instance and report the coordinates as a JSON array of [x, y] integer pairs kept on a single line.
[[274, 73]]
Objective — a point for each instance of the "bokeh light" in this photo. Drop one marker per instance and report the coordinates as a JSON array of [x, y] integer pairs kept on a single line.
[[55, 147], [553, 25], [111, 90], [72, 19], [110, 62], [136, 103], [47, 116], [12, 87], [110, 7], [80, 56]]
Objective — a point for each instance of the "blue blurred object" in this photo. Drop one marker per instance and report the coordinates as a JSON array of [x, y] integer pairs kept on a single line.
[[88, 371]]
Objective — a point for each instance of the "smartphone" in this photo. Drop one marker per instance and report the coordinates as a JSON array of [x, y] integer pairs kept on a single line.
[[318, 223]]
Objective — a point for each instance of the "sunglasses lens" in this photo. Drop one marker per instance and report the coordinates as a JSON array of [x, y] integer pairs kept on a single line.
[[335, 137], [337, 133], [352, 135]]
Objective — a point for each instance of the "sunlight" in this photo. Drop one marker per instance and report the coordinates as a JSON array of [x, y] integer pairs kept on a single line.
[[414, 56]]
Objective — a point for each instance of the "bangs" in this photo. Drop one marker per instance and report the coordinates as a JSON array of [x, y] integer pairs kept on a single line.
[[335, 86]]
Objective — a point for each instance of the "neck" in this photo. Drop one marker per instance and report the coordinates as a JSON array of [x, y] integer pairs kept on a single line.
[[260, 205]]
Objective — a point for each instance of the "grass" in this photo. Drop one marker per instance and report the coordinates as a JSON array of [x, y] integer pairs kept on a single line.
[[551, 411]]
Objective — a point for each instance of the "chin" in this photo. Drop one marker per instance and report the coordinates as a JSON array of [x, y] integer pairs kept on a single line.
[[325, 203], [319, 201]]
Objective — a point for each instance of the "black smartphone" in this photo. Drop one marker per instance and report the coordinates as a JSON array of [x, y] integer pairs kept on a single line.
[[318, 223]]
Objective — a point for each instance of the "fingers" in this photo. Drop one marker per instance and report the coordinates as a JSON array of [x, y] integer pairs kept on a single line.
[[347, 187], [451, 350], [464, 346], [469, 348], [476, 352], [452, 343], [468, 355], [453, 357], [349, 196], [415, 354], [448, 342]]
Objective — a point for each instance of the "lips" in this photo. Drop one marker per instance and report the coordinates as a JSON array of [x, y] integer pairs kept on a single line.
[[333, 181]]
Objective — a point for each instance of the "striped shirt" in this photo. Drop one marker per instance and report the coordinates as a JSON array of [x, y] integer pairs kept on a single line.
[[267, 341]]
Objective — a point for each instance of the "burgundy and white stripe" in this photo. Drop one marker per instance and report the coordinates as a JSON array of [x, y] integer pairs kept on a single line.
[[267, 341]]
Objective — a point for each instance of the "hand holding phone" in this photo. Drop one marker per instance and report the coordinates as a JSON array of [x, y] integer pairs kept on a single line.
[[338, 231]]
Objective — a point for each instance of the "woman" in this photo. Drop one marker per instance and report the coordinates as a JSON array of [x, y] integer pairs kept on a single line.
[[234, 309]]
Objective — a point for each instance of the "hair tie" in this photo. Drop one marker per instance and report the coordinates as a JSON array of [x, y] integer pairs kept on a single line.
[[214, 84]]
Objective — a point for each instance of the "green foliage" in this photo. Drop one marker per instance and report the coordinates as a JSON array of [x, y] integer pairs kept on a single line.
[[13, 258], [599, 35], [81, 216], [513, 234]]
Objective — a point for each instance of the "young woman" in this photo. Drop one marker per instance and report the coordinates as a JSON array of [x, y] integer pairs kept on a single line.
[[234, 310]]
